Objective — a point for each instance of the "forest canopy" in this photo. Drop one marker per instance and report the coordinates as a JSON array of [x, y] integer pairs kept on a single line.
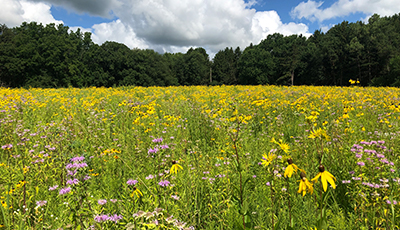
[[36, 55]]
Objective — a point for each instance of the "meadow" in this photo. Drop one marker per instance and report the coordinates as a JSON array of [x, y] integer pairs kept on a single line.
[[198, 157]]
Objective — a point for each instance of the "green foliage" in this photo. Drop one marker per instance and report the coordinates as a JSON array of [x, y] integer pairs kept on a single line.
[[52, 56]]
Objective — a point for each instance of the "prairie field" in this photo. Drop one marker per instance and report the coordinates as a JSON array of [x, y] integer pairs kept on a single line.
[[198, 157]]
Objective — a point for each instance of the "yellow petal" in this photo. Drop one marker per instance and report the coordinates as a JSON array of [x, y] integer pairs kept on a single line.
[[330, 180], [316, 177], [300, 186], [288, 171], [330, 175], [324, 181]]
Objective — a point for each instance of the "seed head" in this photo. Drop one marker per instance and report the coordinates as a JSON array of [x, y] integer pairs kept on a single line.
[[321, 168], [302, 176], [290, 161]]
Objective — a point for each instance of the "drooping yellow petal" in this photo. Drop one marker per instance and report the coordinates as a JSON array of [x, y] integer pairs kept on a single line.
[[330, 179], [310, 187], [324, 181], [316, 177], [330, 175], [301, 187], [288, 171]]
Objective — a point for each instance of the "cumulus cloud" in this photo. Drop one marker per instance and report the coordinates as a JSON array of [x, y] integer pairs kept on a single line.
[[214, 25], [165, 25], [94, 7], [13, 13], [117, 31], [312, 10]]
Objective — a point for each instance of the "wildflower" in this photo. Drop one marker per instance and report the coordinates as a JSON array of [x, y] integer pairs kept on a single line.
[[149, 177], [360, 163], [101, 218], [175, 167], [102, 202], [325, 177], [136, 192], [175, 197], [64, 191], [131, 182], [290, 169], [305, 185], [73, 181], [267, 159], [53, 188], [40, 203], [164, 183], [115, 218]]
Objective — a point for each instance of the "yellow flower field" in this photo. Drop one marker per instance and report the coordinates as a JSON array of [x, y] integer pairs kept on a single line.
[[200, 157]]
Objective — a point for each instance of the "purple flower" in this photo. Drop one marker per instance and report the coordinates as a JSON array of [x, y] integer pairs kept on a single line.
[[155, 150], [87, 177], [164, 147], [115, 218], [164, 183], [40, 203], [53, 188], [157, 140], [131, 182], [73, 181], [360, 163], [384, 161], [268, 184], [389, 202], [102, 202], [149, 177], [175, 197], [64, 191], [101, 218], [9, 146], [82, 158]]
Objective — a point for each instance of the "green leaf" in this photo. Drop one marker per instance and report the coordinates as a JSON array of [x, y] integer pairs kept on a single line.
[[322, 224]]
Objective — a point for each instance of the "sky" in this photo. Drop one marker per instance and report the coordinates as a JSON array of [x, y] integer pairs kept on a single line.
[[176, 25]]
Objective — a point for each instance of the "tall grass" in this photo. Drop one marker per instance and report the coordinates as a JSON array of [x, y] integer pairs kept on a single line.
[[101, 158]]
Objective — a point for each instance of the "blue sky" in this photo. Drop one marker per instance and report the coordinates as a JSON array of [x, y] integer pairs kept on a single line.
[[176, 25]]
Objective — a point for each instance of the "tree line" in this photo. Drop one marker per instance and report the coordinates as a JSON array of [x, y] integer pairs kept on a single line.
[[34, 55]]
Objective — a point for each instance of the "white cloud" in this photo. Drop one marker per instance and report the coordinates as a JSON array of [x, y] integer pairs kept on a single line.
[[93, 7], [116, 31], [311, 10], [269, 22], [11, 13], [170, 25], [14, 12], [165, 25]]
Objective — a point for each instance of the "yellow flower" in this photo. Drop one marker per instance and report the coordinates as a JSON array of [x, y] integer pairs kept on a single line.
[[305, 185], [136, 192], [290, 169], [325, 178], [175, 167], [267, 159]]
